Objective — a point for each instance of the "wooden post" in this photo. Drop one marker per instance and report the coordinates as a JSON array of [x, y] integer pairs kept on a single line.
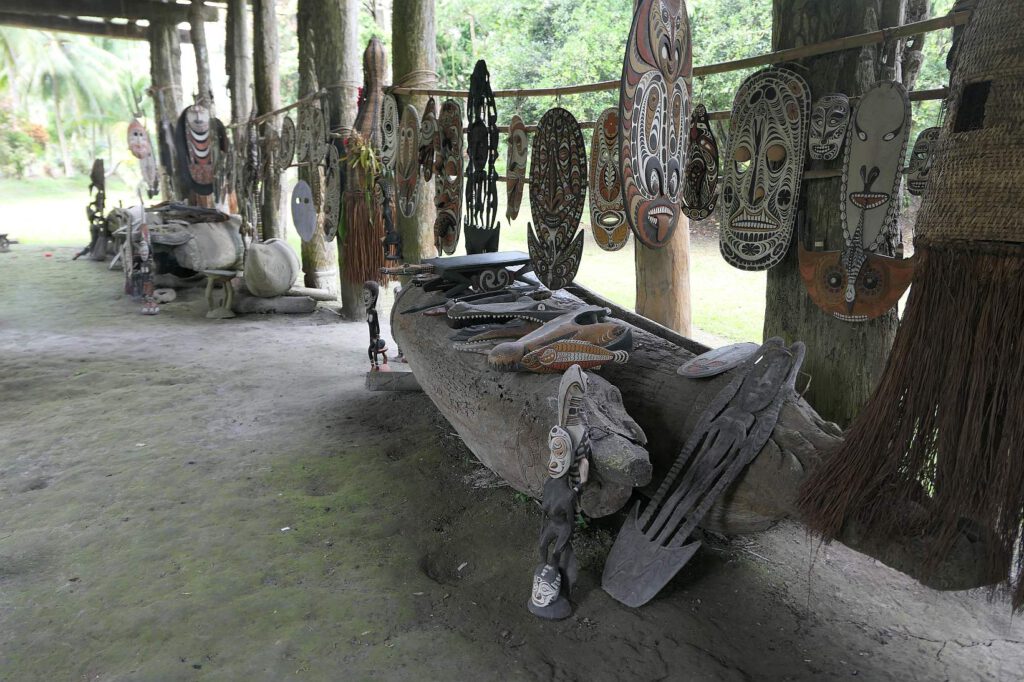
[[663, 280], [845, 359], [319, 256], [165, 79], [238, 54], [268, 98], [198, 34], [414, 51]]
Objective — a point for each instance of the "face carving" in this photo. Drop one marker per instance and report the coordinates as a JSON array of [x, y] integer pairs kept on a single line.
[[558, 187], [332, 194], [607, 212], [515, 166], [875, 144], [287, 148], [764, 163], [700, 181], [879, 285], [371, 290], [138, 140], [428, 139], [561, 449], [407, 167], [653, 106], [921, 160], [448, 185], [389, 131], [830, 117], [198, 147]]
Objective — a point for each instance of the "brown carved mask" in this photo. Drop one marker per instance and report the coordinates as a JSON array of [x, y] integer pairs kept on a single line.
[[879, 285], [407, 168], [700, 182], [138, 140], [607, 213], [428, 139], [921, 160], [448, 185], [515, 166]]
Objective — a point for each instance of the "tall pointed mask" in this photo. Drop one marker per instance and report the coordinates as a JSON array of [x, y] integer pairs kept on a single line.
[[607, 213]]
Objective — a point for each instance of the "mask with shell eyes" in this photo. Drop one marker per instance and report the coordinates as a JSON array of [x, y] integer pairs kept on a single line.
[[561, 452], [407, 169], [701, 179], [654, 104], [830, 116], [920, 163], [763, 167], [607, 213]]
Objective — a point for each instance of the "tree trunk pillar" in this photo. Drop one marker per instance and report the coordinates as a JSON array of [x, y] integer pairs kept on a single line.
[[197, 31], [663, 280], [165, 87], [268, 98], [347, 58], [414, 53], [238, 56]]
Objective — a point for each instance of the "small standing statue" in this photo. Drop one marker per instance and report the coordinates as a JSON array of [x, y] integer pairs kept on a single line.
[[568, 468], [371, 290]]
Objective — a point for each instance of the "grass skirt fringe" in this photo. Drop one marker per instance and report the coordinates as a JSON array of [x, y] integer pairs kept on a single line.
[[362, 250], [944, 431]]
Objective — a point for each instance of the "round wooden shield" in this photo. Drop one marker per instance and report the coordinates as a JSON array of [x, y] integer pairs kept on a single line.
[[332, 193], [407, 166], [389, 131], [717, 361], [654, 104], [303, 210], [286, 152]]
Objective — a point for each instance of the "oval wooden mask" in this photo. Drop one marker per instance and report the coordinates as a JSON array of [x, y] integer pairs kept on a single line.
[[653, 107], [199, 147], [607, 212], [920, 164], [558, 188], [138, 140], [515, 166], [303, 210], [700, 182], [389, 131], [332, 193], [763, 168], [448, 184], [830, 116], [287, 148], [879, 284], [407, 167]]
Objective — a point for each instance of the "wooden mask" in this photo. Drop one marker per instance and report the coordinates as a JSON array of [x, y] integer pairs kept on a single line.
[[653, 107], [607, 212], [389, 132], [861, 281], [407, 167], [194, 130], [428, 139], [138, 140], [558, 187], [515, 166], [700, 182], [287, 148], [764, 164], [448, 185], [332, 193], [921, 160], [481, 230], [830, 117]]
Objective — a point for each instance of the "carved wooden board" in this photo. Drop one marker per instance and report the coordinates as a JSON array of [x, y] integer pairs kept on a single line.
[[332, 193], [448, 185], [558, 187], [407, 166], [654, 105], [700, 182], [515, 166], [428, 140], [287, 148], [389, 131], [607, 212], [716, 361]]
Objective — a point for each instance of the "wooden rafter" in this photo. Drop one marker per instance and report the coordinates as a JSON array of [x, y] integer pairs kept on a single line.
[[83, 26], [134, 10]]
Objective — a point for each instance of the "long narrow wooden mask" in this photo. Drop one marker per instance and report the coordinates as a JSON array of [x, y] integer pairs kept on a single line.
[[764, 164], [515, 166], [407, 166], [448, 184], [654, 104], [607, 213], [700, 182]]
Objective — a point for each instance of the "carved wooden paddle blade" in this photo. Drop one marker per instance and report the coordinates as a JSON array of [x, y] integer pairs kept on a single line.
[[638, 568]]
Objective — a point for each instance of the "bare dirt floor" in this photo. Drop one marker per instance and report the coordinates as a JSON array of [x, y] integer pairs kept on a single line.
[[185, 499]]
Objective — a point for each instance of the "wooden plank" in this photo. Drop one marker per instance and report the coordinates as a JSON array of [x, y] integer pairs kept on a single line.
[[87, 27], [150, 10]]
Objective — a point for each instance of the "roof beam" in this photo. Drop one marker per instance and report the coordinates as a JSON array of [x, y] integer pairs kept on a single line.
[[150, 10], [81, 26]]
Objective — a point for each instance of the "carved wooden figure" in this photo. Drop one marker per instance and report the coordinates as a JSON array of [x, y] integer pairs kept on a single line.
[[607, 212], [481, 208], [558, 187], [700, 181], [515, 166], [653, 546], [378, 349], [568, 469], [654, 104], [586, 336], [448, 185], [764, 165], [196, 147]]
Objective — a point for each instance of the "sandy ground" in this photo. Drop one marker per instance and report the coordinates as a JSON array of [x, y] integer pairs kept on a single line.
[[190, 499]]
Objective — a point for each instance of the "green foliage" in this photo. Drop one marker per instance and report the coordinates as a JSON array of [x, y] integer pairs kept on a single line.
[[19, 143]]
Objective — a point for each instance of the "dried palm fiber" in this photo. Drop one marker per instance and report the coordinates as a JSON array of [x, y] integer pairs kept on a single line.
[[938, 448], [363, 225]]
